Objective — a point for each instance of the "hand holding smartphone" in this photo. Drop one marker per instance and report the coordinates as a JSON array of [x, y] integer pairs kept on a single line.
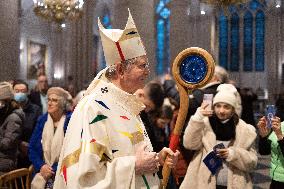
[[218, 146], [207, 99], [270, 113]]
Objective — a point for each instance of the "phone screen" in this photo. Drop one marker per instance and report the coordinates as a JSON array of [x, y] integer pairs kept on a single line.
[[207, 99], [270, 113]]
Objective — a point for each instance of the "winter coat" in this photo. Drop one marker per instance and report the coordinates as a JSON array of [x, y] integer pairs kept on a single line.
[[199, 136], [271, 145], [10, 132], [35, 147]]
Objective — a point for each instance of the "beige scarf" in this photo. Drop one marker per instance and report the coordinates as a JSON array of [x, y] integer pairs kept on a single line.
[[51, 146]]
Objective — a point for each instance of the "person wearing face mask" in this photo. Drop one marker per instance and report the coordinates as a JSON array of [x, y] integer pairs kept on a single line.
[[11, 120], [208, 128], [32, 112]]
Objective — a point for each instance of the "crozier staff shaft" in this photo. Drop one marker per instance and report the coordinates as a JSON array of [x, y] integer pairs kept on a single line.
[[192, 68], [182, 113]]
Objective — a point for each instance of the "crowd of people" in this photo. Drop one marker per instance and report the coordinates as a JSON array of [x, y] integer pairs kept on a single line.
[[34, 122], [116, 133]]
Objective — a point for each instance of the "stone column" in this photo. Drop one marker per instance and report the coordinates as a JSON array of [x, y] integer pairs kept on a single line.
[[272, 50], [201, 27], [9, 40], [78, 48], [179, 27]]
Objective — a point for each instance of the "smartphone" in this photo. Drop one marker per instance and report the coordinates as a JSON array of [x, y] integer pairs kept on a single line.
[[270, 113], [218, 146], [207, 99]]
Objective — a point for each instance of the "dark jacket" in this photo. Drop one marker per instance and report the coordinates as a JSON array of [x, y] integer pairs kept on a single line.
[[35, 146], [10, 132], [32, 113], [149, 128], [35, 98], [195, 100]]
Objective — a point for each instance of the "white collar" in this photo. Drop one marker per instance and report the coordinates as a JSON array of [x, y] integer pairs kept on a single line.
[[127, 101]]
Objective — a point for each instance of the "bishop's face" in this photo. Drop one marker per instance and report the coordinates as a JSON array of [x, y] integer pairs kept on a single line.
[[135, 76]]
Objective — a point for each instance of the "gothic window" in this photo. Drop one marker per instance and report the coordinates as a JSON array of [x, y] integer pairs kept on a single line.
[[223, 41], [106, 20], [234, 66], [259, 40], [253, 35], [248, 37], [162, 37]]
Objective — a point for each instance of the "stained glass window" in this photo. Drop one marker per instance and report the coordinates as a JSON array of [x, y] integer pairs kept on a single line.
[[106, 21], [259, 40], [223, 41], [253, 31], [234, 66], [162, 37], [255, 5], [248, 37]]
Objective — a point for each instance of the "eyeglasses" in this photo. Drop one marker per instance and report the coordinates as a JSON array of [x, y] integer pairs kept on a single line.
[[143, 66], [53, 100]]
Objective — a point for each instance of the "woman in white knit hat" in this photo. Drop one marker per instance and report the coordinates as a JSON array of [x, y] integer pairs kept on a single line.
[[47, 138], [11, 120], [208, 128]]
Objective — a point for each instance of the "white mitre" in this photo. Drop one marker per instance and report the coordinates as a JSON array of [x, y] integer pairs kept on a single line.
[[120, 45]]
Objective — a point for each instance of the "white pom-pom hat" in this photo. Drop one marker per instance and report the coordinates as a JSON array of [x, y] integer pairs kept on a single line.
[[226, 93]]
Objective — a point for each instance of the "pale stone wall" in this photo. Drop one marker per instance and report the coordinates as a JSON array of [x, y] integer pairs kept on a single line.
[[9, 40]]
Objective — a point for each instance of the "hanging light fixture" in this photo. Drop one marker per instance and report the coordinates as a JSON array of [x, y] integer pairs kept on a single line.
[[59, 11]]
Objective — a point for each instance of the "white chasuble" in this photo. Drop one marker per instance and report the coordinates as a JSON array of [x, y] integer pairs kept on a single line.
[[99, 146]]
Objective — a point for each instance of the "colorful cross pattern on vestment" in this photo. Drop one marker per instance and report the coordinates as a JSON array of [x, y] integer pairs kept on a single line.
[[104, 89], [86, 147], [125, 117], [98, 118], [102, 104], [135, 137]]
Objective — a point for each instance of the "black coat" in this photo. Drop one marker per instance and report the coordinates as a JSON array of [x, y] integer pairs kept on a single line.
[[34, 97]]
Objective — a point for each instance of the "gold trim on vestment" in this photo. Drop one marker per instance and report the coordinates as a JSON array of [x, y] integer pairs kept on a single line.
[[136, 137], [86, 147]]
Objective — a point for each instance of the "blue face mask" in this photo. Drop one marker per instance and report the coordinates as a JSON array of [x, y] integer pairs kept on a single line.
[[20, 97]]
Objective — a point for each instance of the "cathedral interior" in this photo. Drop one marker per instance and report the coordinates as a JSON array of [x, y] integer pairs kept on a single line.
[[245, 38], [60, 38]]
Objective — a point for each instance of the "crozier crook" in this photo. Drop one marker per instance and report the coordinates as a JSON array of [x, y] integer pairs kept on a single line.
[[192, 68]]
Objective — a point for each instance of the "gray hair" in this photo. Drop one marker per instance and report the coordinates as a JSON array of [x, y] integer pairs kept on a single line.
[[221, 74], [65, 104], [111, 71]]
